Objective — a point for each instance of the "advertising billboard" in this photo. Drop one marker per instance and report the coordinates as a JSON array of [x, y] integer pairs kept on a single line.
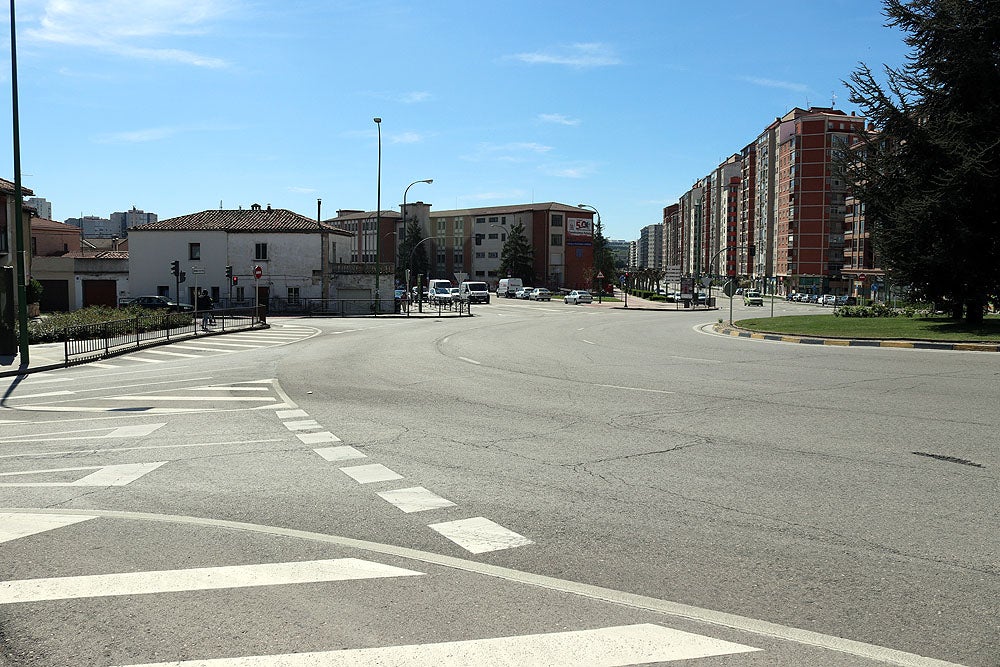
[[579, 229]]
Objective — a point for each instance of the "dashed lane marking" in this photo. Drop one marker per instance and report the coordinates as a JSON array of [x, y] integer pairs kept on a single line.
[[415, 499], [303, 425], [317, 438], [479, 535], [368, 474], [343, 453]]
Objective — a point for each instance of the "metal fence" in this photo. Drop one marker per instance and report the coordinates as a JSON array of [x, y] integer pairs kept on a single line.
[[94, 341], [365, 307]]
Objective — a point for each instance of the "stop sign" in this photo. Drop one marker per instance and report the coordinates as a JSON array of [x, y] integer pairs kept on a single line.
[[257, 272], [861, 277]]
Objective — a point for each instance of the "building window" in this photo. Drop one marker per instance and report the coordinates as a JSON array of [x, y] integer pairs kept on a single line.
[[293, 295], [239, 294], [492, 220], [460, 227], [493, 255], [494, 236], [194, 251], [459, 258], [556, 240], [479, 239], [480, 255], [442, 227], [557, 220], [480, 221], [260, 251], [440, 257], [34, 246]]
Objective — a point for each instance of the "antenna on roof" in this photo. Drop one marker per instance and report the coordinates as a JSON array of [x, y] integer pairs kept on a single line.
[[833, 99], [220, 204]]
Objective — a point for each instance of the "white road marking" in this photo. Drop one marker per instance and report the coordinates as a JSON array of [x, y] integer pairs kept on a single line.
[[195, 579], [119, 432], [227, 389], [367, 474], [707, 361], [14, 526], [471, 361], [188, 346], [134, 449], [224, 345], [95, 364], [150, 397], [132, 357], [479, 535], [64, 392], [116, 475], [415, 499], [343, 453], [171, 354], [587, 341], [653, 391], [288, 414], [317, 438], [602, 647], [303, 425]]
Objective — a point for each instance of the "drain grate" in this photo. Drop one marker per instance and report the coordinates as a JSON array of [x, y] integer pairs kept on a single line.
[[949, 459]]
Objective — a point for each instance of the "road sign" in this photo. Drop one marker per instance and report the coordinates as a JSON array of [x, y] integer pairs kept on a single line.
[[197, 270], [600, 275], [706, 280], [861, 277], [257, 272], [730, 288]]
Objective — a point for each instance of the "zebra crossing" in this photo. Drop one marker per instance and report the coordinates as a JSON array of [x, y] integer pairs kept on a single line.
[[209, 346], [602, 641]]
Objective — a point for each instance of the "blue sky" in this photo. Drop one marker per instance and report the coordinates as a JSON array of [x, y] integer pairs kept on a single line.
[[174, 106]]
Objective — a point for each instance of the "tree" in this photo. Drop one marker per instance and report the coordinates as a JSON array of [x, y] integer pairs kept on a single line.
[[604, 258], [415, 260], [517, 258], [926, 170]]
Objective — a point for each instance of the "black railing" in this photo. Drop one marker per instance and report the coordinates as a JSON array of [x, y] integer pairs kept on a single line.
[[94, 341]]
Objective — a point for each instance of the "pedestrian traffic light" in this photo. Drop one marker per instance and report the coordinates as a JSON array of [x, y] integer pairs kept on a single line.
[[181, 278], [175, 267], [236, 279], [229, 272]]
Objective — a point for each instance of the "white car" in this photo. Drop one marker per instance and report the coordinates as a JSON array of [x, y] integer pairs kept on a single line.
[[578, 296], [540, 294], [753, 298], [524, 292], [827, 300]]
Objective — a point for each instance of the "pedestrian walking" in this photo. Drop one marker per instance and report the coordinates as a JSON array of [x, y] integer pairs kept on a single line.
[[204, 304]]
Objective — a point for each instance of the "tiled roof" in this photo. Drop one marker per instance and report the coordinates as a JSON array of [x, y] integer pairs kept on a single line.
[[53, 225], [237, 221], [7, 188]]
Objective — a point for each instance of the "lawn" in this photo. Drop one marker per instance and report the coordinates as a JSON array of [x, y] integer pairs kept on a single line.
[[897, 328]]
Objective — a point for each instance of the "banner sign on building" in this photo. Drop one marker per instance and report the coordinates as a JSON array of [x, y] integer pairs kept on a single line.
[[579, 228]]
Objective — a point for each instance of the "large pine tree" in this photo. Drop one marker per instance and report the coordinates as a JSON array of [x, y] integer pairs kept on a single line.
[[517, 257], [928, 171]]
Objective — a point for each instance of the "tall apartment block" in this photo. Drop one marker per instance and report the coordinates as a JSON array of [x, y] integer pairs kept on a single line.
[[776, 210], [649, 250]]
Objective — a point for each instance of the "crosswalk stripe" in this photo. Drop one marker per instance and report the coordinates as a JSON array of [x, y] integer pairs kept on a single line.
[[344, 453], [195, 579], [479, 535], [602, 647], [303, 425], [317, 438], [171, 354]]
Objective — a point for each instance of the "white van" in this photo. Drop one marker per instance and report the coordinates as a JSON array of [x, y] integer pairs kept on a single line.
[[508, 287], [439, 291], [474, 292]]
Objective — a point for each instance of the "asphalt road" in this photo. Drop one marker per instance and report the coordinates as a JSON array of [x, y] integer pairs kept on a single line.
[[539, 484]]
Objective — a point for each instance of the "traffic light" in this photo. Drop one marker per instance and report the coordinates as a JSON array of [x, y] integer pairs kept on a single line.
[[175, 267], [236, 279], [229, 272], [182, 277]]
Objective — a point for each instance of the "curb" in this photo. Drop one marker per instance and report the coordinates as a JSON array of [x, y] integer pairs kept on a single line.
[[856, 342]]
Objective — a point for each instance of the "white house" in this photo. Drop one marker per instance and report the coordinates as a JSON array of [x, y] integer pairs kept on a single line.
[[300, 258]]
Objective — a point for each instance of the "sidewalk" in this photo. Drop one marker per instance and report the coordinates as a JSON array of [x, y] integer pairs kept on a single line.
[[41, 357]]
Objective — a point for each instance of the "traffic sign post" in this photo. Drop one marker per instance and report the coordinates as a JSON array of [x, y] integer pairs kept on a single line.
[[600, 286], [257, 273]]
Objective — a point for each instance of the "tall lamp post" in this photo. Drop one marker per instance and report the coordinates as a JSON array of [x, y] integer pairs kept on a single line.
[[378, 211], [600, 288], [21, 273], [425, 180]]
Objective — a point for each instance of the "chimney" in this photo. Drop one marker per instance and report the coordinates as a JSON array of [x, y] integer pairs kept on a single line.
[[255, 207]]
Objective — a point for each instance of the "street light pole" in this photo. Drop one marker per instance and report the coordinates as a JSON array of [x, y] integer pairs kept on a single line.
[[19, 251], [600, 288], [425, 180], [378, 211]]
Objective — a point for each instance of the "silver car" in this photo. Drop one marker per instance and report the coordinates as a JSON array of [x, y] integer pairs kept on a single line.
[[578, 296]]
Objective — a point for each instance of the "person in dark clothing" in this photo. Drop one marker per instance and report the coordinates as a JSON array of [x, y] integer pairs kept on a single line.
[[204, 305]]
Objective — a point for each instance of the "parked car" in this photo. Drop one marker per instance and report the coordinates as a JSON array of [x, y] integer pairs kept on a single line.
[[578, 296], [508, 287], [524, 292], [844, 300], [540, 294], [439, 295], [752, 298], [160, 303], [813, 298], [455, 295], [827, 300], [791, 296]]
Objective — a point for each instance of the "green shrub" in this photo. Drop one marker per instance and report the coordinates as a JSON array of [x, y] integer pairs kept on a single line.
[[51, 327], [872, 310], [33, 291]]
